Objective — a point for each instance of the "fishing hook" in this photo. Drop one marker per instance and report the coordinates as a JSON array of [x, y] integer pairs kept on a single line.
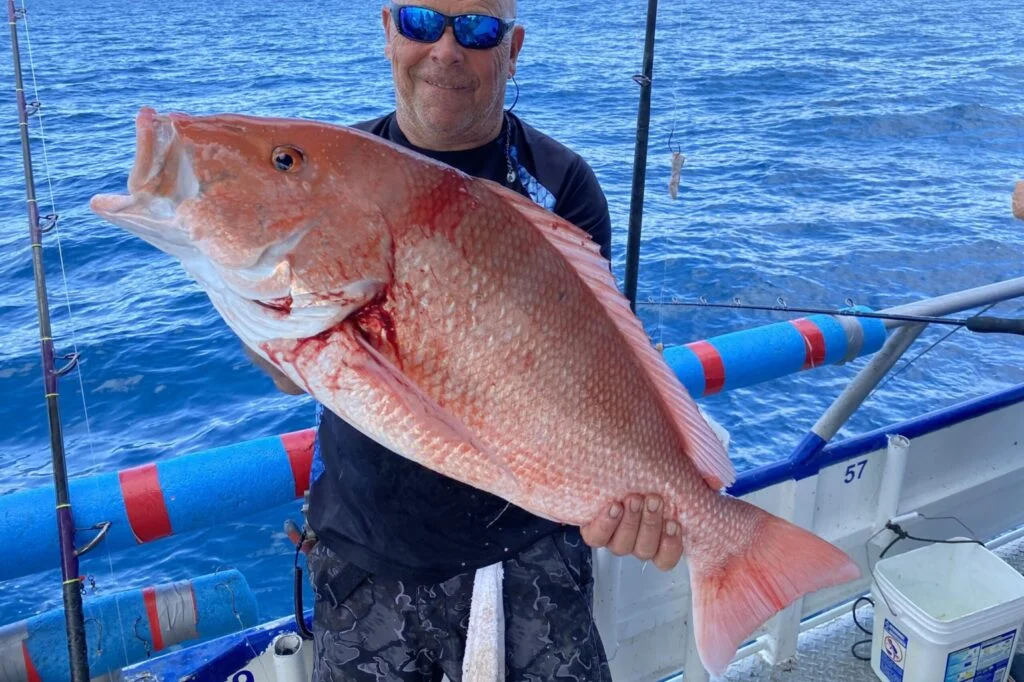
[[678, 149], [677, 164]]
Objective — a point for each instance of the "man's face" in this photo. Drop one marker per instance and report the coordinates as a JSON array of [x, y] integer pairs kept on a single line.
[[449, 95]]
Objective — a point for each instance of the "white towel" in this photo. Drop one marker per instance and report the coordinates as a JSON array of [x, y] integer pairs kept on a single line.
[[484, 660]]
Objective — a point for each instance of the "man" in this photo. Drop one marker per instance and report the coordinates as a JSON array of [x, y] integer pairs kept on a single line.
[[399, 544]]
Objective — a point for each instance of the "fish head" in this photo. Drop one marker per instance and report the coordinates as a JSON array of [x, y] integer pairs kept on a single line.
[[233, 197]]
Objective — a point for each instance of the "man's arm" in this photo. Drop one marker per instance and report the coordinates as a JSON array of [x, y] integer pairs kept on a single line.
[[635, 525], [582, 202], [283, 383]]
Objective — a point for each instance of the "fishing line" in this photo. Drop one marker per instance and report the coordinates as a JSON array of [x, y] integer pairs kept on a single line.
[[922, 353], [677, 152], [975, 323], [661, 325], [664, 262], [67, 295]]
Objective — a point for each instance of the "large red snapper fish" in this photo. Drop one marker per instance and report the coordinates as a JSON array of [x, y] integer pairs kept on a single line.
[[464, 327]]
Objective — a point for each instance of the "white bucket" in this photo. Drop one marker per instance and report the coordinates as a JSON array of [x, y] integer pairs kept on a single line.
[[946, 613]]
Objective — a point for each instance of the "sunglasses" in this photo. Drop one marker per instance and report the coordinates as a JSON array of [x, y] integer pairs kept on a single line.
[[473, 31]]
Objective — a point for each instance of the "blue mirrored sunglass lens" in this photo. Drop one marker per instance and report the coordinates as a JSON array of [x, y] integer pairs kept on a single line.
[[477, 30], [419, 23]]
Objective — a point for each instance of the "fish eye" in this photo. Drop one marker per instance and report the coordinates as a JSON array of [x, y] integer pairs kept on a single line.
[[287, 158]]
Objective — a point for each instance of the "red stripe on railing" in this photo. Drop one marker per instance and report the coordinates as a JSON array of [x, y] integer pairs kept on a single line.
[[149, 598], [30, 668], [299, 446], [814, 341], [711, 361], [144, 503]]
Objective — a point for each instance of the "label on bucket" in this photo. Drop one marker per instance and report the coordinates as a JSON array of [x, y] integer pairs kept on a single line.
[[984, 661], [894, 652]]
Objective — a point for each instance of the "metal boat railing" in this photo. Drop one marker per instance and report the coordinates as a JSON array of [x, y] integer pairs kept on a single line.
[[806, 458]]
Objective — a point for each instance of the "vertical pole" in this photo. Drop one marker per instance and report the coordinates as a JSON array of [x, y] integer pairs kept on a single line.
[[643, 123], [77, 652]]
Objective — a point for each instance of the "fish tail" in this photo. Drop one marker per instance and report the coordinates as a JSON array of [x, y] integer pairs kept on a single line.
[[735, 594]]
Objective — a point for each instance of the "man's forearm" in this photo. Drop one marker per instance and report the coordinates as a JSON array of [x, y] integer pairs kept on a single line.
[[283, 383]]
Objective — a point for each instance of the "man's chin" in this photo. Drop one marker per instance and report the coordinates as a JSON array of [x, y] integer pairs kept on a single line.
[[445, 120]]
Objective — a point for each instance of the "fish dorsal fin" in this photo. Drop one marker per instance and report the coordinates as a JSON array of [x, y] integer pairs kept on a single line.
[[697, 440]]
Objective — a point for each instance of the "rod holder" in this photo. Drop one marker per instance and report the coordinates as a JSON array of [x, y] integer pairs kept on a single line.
[[289, 659]]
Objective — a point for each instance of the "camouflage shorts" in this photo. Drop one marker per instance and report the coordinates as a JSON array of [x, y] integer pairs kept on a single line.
[[386, 630]]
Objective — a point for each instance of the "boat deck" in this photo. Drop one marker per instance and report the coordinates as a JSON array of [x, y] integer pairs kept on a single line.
[[824, 653]]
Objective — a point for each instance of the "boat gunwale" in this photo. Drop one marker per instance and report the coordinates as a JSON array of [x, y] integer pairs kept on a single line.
[[798, 467]]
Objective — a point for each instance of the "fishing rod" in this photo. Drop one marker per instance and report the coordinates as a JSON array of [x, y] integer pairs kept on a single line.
[[978, 323], [72, 582], [643, 124]]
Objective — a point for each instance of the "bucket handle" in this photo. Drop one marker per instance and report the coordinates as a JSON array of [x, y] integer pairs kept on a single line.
[[904, 535]]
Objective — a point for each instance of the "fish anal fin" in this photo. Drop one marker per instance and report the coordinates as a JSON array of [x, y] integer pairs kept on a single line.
[[696, 437]]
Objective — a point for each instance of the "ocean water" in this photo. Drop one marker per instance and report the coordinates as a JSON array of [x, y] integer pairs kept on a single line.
[[864, 150]]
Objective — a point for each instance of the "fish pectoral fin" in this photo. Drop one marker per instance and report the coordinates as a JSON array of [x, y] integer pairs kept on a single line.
[[697, 440], [422, 406]]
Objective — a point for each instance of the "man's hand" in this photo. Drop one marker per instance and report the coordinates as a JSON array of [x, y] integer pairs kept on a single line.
[[283, 383], [637, 527]]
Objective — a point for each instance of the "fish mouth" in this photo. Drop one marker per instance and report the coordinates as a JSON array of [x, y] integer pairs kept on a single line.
[[161, 178]]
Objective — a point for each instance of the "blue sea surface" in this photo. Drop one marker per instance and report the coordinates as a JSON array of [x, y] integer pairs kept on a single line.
[[861, 150]]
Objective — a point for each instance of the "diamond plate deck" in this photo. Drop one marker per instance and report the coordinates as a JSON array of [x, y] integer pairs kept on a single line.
[[823, 653]]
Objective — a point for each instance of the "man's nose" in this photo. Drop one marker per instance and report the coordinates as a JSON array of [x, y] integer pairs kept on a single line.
[[447, 50]]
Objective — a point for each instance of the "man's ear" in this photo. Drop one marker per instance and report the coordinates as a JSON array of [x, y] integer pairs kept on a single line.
[[518, 35], [385, 20]]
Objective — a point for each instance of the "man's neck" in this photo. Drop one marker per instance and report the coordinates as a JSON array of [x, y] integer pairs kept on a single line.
[[445, 143]]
